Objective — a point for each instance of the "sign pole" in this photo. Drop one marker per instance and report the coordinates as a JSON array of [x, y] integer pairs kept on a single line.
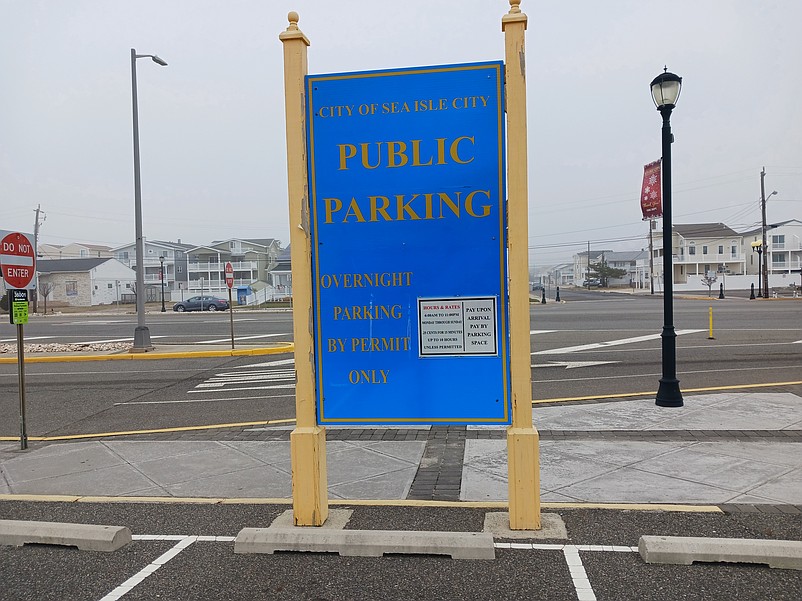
[[310, 501], [23, 436], [18, 267], [231, 316], [523, 458], [230, 285]]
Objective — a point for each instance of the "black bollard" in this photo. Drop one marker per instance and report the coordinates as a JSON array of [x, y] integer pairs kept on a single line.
[[543, 298], [558, 294], [721, 290], [752, 294]]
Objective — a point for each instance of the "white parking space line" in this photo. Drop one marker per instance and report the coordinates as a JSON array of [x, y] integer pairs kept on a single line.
[[598, 345], [579, 577], [149, 569], [219, 340], [27, 338], [584, 591], [268, 364], [128, 339], [288, 386], [223, 400]]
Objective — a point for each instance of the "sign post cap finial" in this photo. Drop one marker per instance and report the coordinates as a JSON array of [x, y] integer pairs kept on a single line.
[[293, 18], [515, 6]]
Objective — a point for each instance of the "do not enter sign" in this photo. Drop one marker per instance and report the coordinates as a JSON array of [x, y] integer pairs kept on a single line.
[[229, 275], [18, 260]]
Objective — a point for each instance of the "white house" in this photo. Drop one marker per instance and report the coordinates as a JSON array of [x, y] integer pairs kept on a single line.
[[85, 282]]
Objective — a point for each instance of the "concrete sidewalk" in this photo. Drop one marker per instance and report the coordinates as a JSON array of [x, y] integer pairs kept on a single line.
[[728, 448]]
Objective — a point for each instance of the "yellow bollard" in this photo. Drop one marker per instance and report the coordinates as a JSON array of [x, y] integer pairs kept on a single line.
[[710, 337]]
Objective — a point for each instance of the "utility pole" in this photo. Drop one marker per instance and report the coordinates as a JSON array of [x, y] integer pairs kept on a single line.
[[651, 257], [36, 224], [764, 277], [587, 268]]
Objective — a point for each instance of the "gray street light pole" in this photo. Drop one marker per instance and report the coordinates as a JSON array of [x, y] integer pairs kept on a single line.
[[141, 333]]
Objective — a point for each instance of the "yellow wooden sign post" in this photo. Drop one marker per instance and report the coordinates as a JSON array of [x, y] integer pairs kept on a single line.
[[523, 455], [308, 440], [310, 500]]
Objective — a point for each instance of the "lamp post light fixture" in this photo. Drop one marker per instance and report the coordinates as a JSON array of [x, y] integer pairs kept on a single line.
[[161, 276], [665, 92], [758, 248], [141, 333]]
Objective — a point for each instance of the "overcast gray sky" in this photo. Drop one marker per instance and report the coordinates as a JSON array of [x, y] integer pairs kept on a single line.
[[212, 122]]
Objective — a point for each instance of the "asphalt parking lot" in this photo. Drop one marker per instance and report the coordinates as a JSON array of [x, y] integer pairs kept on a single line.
[[183, 551]]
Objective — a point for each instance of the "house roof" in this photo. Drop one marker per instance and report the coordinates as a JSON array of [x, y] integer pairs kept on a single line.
[[162, 243], [705, 230], [283, 262], [174, 245], [258, 241], [593, 253], [771, 226], [626, 255], [69, 265]]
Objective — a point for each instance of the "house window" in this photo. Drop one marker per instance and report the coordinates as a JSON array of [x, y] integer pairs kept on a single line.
[[84, 252], [721, 249], [71, 288], [122, 255], [778, 241], [691, 249], [733, 251], [109, 286], [180, 269], [704, 249]]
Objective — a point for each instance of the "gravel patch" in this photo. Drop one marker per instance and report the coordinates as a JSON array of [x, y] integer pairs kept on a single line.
[[11, 349]]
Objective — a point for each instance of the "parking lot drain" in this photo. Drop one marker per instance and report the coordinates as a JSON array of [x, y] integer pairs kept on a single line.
[[87, 537]]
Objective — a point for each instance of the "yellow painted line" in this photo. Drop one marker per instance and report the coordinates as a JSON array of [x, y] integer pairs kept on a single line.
[[654, 392], [153, 431], [286, 348], [676, 507]]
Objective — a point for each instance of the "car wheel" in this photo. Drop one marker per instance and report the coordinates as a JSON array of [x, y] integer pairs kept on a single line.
[[180, 308], [212, 307]]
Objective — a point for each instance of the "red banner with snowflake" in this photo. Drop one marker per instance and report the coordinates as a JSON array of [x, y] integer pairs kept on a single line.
[[651, 196]]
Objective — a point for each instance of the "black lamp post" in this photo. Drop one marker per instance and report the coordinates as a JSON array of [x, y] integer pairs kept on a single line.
[[161, 275], [665, 92], [758, 248]]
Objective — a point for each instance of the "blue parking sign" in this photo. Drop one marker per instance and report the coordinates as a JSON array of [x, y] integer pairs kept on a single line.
[[408, 224]]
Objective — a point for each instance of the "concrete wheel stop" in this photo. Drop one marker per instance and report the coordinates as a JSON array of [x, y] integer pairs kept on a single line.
[[361, 543], [87, 537], [687, 550]]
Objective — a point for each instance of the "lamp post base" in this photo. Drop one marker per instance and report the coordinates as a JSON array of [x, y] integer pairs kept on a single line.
[[668, 393], [142, 342]]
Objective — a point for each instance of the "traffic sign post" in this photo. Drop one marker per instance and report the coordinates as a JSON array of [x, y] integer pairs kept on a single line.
[[18, 266], [230, 285]]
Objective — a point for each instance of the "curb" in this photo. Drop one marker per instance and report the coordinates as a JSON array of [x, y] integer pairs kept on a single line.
[[662, 507], [286, 348]]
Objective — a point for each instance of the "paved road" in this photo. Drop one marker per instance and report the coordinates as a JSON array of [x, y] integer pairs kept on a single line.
[[594, 345], [738, 444]]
